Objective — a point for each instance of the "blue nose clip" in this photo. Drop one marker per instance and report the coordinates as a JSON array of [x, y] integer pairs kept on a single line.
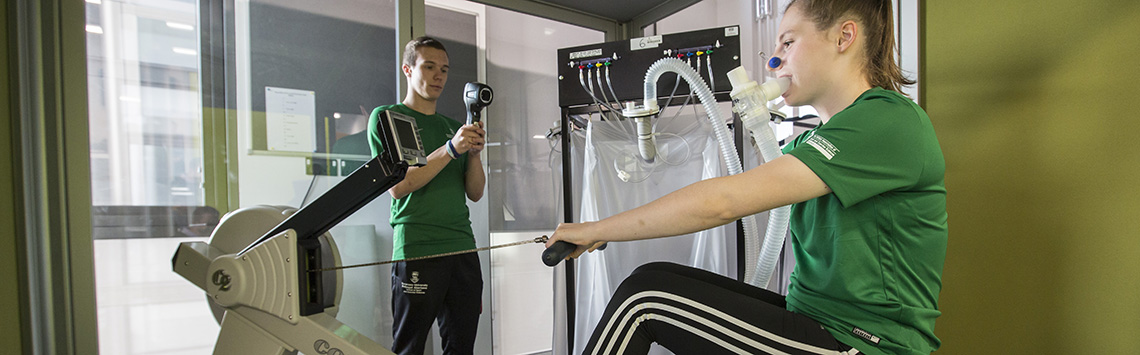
[[774, 62]]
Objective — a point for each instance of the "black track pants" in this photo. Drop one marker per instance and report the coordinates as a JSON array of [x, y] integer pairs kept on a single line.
[[449, 289], [693, 311]]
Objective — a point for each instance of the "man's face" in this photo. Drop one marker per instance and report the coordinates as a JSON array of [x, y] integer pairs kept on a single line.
[[427, 77]]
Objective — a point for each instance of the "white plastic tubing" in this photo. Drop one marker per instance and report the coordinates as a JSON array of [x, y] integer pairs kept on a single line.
[[727, 146], [646, 143], [777, 217]]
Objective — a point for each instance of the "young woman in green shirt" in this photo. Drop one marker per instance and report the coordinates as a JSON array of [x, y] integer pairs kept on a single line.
[[868, 220]]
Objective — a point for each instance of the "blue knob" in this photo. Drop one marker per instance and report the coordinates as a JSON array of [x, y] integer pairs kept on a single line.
[[774, 62]]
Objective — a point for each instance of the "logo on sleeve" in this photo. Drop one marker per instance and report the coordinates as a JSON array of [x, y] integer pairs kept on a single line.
[[822, 145]]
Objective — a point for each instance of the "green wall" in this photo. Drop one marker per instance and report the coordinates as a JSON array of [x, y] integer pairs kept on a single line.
[[1035, 105]]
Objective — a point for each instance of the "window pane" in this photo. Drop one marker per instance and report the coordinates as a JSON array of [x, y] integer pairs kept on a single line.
[[525, 178], [342, 55], [341, 60], [146, 175], [144, 104]]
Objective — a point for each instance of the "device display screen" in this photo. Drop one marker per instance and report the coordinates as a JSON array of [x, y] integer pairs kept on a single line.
[[407, 134]]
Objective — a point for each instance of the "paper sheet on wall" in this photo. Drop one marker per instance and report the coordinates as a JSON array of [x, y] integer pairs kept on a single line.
[[289, 119]]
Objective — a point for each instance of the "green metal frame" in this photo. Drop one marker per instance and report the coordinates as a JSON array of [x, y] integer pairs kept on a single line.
[[12, 301], [49, 176]]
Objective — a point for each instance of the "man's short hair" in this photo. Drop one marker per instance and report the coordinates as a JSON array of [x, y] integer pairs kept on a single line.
[[411, 51]]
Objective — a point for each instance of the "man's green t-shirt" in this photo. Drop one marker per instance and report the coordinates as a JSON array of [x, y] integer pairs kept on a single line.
[[869, 255], [433, 219]]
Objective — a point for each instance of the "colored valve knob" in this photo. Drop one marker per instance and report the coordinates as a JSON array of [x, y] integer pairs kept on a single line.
[[595, 65]]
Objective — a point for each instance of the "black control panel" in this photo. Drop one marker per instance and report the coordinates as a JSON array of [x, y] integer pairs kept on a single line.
[[628, 60]]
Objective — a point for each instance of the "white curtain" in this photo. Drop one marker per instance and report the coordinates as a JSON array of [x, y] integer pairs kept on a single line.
[[615, 179]]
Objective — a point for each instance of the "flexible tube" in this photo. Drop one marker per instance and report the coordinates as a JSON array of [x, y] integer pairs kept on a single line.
[[727, 146], [646, 144], [602, 90], [778, 217], [610, 84], [601, 113], [712, 80], [750, 101]]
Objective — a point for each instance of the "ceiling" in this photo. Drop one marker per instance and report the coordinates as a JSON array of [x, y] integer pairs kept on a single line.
[[620, 10], [618, 18]]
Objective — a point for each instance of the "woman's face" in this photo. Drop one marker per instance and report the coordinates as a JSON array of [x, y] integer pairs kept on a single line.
[[805, 55]]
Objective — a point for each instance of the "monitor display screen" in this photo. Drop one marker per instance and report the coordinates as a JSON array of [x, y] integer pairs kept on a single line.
[[407, 134]]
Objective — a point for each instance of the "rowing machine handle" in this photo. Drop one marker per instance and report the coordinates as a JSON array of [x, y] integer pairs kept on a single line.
[[559, 251]]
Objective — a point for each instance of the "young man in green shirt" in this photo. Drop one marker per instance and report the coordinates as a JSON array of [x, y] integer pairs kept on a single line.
[[869, 224], [430, 215]]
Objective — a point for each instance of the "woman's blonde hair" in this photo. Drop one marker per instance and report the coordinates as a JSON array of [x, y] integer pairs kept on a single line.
[[877, 17]]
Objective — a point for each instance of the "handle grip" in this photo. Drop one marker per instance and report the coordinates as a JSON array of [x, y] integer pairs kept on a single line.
[[560, 250], [557, 252]]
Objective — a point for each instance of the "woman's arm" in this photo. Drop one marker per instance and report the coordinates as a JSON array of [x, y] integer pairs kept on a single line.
[[702, 205]]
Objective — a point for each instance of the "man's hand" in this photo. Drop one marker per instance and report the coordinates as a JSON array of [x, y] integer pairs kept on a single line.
[[469, 138]]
